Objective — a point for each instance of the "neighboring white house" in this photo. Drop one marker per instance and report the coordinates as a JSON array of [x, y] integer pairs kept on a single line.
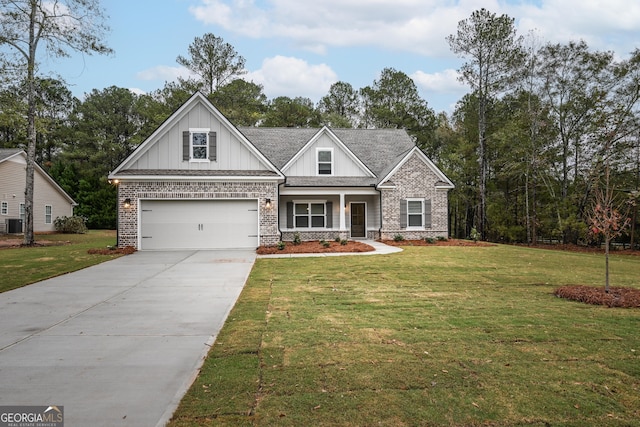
[[50, 201], [199, 182]]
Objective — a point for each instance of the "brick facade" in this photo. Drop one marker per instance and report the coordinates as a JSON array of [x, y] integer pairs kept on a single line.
[[414, 179], [196, 190]]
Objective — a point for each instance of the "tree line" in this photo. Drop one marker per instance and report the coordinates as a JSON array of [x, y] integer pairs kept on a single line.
[[547, 137]]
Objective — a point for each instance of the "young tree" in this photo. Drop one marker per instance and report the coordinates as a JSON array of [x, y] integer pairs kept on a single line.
[[59, 26], [495, 56], [213, 61]]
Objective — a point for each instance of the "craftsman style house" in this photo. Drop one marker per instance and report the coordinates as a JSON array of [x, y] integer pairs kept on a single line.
[[199, 182]]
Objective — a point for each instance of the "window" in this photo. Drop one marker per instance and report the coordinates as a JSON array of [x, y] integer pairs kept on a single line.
[[325, 161], [309, 215], [4, 208], [415, 213], [22, 211], [48, 213], [199, 145]]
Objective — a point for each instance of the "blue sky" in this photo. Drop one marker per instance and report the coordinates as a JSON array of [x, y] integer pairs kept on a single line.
[[300, 47]]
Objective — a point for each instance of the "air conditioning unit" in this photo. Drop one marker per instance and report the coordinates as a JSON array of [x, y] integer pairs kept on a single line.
[[13, 225]]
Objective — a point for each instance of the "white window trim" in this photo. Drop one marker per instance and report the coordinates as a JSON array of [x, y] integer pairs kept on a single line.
[[318, 150], [48, 217], [414, 227], [4, 208], [309, 215], [22, 212], [206, 133]]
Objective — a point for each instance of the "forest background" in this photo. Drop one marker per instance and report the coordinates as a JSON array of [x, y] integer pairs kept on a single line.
[[546, 146]]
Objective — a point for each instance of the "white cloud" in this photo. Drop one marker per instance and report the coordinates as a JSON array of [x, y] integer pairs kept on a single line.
[[418, 26], [287, 76], [441, 82]]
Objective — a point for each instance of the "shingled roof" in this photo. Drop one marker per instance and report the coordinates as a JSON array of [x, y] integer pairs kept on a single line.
[[5, 153], [379, 149]]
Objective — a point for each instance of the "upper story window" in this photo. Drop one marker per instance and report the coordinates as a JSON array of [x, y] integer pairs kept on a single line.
[[325, 161], [199, 145], [4, 209]]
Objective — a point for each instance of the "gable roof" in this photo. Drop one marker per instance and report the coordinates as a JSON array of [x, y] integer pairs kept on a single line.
[[444, 183], [281, 145], [196, 98], [7, 153]]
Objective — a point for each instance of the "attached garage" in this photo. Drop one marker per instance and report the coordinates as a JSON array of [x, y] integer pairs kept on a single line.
[[198, 224]]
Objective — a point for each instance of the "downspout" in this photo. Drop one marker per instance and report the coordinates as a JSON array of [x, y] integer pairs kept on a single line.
[[380, 197], [278, 204]]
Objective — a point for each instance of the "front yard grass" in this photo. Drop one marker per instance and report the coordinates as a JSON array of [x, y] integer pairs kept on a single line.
[[433, 336], [25, 265]]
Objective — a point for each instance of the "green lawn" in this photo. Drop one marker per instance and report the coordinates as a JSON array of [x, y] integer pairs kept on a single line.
[[26, 265], [433, 336]]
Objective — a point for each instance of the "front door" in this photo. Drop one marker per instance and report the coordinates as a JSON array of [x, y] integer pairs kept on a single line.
[[358, 220]]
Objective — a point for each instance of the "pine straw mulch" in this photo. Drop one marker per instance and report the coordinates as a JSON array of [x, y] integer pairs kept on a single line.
[[617, 297], [448, 242], [128, 250], [315, 247]]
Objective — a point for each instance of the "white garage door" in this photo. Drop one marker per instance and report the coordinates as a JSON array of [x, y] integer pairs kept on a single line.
[[199, 224]]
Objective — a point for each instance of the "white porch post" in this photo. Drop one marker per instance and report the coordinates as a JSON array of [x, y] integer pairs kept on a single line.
[[343, 221]]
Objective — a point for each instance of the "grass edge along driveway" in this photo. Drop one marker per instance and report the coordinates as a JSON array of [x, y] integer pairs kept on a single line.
[[433, 336], [67, 252]]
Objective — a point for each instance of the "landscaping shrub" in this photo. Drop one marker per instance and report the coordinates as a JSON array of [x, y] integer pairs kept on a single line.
[[70, 224], [398, 238], [296, 238], [281, 245]]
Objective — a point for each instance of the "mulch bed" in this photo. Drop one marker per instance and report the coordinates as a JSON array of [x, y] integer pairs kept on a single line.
[[112, 251], [617, 297], [315, 247], [18, 243], [449, 242]]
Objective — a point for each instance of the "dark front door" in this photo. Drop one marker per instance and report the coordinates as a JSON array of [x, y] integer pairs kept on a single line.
[[358, 220]]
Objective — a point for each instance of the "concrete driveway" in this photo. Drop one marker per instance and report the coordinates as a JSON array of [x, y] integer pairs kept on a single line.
[[119, 343]]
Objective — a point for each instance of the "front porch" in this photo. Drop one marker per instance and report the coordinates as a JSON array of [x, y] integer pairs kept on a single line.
[[329, 213]]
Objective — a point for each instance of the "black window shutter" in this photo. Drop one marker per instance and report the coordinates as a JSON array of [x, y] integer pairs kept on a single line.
[[427, 213], [213, 147], [403, 213], [185, 145], [329, 208], [289, 214]]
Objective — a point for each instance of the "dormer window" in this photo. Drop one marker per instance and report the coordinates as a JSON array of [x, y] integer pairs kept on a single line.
[[325, 161], [199, 145]]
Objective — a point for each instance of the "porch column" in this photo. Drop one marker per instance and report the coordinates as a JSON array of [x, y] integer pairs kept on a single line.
[[343, 221]]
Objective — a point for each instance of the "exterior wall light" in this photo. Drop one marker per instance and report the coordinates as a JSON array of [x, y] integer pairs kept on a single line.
[[267, 203], [127, 203]]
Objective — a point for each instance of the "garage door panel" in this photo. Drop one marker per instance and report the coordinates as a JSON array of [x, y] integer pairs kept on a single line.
[[199, 224]]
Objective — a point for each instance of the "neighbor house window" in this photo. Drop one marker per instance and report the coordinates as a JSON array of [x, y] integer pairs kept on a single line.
[[48, 213], [22, 211], [4, 209], [325, 161], [310, 215], [415, 213], [199, 145]]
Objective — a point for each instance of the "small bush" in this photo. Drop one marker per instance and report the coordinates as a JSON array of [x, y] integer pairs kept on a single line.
[[325, 244], [337, 239], [442, 239], [474, 235], [296, 238], [398, 238], [429, 240], [344, 242], [70, 224], [281, 245]]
